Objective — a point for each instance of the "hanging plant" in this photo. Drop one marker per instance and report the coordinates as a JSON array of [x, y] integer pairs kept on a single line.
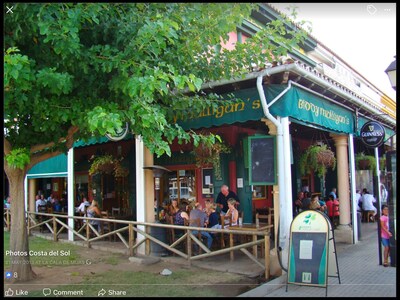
[[107, 164], [317, 159], [211, 156], [365, 162]]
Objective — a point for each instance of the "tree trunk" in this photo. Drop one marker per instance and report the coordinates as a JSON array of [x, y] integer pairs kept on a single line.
[[19, 245]]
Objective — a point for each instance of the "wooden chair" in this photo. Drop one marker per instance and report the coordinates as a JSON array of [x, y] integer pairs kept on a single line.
[[224, 223], [266, 219], [115, 211], [171, 231], [105, 226], [196, 223], [368, 216], [40, 218]]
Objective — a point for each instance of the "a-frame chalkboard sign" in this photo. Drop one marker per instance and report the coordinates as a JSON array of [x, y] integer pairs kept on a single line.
[[312, 251]]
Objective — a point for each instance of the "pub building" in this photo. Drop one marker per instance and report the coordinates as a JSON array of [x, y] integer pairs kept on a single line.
[[310, 97]]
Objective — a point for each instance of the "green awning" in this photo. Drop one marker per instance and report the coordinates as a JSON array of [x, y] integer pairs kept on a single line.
[[308, 107], [57, 166], [52, 167], [295, 103], [91, 141]]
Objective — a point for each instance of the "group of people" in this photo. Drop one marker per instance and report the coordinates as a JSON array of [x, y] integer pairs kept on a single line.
[[306, 200], [51, 202], [225, 204]]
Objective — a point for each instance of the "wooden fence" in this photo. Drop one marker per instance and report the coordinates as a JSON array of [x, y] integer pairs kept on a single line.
[[137, 233]]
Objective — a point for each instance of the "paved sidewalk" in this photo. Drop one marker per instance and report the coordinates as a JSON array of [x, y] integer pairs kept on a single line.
[[359, 269]]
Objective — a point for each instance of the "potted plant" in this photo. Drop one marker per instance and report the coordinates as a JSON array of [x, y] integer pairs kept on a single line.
[[317, 159], [365, 162]]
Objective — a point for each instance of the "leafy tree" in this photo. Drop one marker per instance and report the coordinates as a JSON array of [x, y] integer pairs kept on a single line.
[[72, 70]]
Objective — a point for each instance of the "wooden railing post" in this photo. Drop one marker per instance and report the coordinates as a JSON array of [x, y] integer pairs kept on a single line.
[[147, 243], [87, 233], [54, 229], [266, 255], [189, 246], [231, 245], [131, 239]]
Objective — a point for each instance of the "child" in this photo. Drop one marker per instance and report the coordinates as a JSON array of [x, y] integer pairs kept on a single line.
[[385, 234], [213, 218]]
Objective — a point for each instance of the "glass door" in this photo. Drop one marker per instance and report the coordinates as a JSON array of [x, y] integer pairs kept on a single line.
[[182, 185]]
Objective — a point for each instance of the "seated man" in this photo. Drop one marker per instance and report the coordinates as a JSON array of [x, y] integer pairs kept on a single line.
[[368, 202], [198, 213], [81, 207]]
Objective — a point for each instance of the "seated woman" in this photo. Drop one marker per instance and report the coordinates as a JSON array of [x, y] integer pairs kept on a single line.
[[232, 215], [93, 211], [173, 208], [314, 203], [181, 216]]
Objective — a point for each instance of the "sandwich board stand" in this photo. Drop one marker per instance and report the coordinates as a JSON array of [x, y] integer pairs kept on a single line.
[[312, 251]]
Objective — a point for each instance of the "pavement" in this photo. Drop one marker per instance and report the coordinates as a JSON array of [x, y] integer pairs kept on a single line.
[[359, 271], [358, 265]]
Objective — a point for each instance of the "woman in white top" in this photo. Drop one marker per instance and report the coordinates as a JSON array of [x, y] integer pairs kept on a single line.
[[232, 213]]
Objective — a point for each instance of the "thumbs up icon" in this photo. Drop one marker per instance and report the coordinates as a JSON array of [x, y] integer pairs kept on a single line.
[[9, 293]]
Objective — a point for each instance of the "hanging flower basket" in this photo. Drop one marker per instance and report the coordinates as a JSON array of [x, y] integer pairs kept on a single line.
[[365, 162], [107, 164], [326, 157], [317, 158]]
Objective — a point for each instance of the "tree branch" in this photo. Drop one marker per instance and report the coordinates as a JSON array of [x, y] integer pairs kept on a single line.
[[68, 141], [41, 156]]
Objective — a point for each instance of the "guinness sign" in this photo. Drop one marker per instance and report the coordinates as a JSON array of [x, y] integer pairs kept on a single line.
[[119, 135], [372, 134]]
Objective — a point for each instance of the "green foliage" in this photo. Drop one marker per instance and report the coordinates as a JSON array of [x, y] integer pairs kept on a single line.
[[99, 65], [107, 164], [209, 154], [18, 158], [317, 158]]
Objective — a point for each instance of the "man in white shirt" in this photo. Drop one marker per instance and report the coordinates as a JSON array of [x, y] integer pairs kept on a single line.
[[367, 201], [81, 207], [39, 201]]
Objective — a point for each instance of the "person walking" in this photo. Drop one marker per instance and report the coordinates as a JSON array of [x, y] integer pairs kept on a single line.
[[385, 234]]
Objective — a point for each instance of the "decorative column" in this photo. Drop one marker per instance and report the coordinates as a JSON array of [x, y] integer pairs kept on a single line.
[[144, 192], [32, 188], [342, 167]]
